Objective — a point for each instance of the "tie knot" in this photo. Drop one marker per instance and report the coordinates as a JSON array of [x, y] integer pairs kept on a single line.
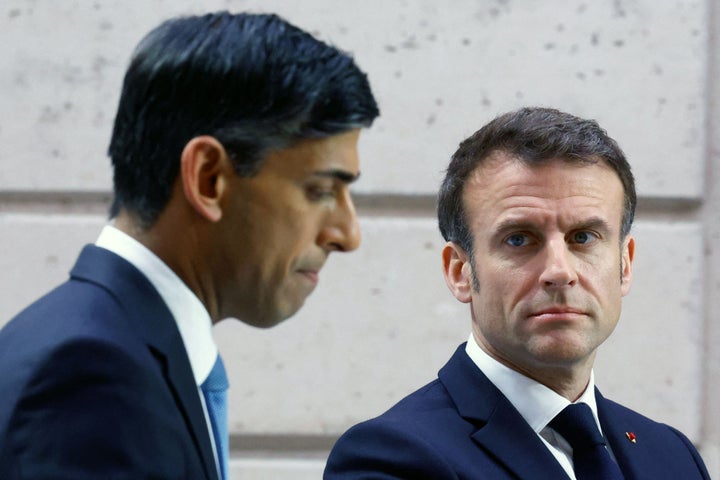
[[576, 424], [217, 379]]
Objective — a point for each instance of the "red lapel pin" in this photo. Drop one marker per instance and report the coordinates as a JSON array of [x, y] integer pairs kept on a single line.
[[631, 436]]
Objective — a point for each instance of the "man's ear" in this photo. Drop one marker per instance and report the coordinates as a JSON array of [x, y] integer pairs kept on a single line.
[[626, 267], [204, 170], [457, 271]]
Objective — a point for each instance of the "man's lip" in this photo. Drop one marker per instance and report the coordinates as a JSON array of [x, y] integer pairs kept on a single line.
[[559, 312], [312, 275]]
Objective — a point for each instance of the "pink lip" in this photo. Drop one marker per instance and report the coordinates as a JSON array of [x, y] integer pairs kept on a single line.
[[560, 313], [312, 275]]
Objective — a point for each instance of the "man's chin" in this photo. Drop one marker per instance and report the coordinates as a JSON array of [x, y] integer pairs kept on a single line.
[[568, 355], [271, 319]]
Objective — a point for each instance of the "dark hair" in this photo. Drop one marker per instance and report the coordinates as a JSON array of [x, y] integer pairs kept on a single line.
[[254, 82], [533, 135]]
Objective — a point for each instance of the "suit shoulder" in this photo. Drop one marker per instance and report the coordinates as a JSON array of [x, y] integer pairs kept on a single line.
[[619, 411], [423, 405], [670, 450], [80, 365], [393, 444], [412, 412], [69, 308], [62, 345], [407, 440], [74, 316], [622, 414], [428, 412], [89, 396]]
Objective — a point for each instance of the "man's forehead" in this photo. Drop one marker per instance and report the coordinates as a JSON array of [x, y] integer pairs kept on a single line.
[[507, 181], [333, 156], [499, 160]]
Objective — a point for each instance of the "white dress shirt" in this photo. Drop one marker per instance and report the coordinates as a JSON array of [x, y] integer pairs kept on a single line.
[[537, 403], [191, 316]]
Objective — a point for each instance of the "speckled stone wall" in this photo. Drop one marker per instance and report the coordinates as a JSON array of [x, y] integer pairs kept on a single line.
[[382, 321]]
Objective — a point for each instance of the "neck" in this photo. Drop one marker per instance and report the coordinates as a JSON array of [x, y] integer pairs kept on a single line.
[[569, 386], [567, 379], [179, 252]]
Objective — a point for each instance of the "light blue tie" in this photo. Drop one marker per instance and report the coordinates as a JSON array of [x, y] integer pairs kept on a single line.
[[214, 389]]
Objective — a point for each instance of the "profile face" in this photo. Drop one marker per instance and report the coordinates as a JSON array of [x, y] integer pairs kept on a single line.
[[280, 225], [549, 263]]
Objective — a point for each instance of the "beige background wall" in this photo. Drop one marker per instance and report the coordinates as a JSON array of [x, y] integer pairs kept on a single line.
[[382, 321]]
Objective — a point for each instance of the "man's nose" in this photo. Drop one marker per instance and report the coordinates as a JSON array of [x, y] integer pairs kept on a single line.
[[342, 231], [558, 269]]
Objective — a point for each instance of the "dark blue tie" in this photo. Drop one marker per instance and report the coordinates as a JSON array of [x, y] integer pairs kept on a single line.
[[591, 460], [214, 389]]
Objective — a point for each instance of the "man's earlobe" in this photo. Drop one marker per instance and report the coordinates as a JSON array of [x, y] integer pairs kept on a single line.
[[203, 170], [457, 271]]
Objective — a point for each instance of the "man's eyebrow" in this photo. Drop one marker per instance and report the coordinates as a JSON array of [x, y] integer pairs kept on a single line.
[[342, 175], [596, 223], [510, 225]]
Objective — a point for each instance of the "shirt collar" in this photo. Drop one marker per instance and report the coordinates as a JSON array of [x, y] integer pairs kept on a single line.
[[537, 404], [191, 316]]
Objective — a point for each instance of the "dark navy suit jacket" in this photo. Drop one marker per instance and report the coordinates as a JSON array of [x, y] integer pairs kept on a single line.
[[462, 427], [95, 383]]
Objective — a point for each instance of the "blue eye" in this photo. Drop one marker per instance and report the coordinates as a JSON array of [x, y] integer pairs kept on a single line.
[[584, 237], [517, 240]]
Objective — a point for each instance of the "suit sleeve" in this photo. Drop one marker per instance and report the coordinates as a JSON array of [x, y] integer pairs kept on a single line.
[[379, 450], [90, 411]]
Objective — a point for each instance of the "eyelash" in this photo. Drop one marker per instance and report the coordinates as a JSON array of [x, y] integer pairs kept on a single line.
[[593, 236], [320, 193], [516, 235]]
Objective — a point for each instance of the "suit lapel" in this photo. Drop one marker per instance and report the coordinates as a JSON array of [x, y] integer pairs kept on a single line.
[[509, 438], [501, 431], [187, 397], [657, 452], [152, 321], [639, 459]]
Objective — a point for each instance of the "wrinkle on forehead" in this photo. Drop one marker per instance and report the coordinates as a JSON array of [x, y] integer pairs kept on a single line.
[[505, 186], [499, 165]]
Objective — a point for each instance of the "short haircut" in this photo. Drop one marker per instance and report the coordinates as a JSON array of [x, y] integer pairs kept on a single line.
[[533, 136], [253, 81]]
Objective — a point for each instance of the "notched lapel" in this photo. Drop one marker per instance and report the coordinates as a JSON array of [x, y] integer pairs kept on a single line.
[[636, 459], [509, 438], [186, 396], [153, 322], [656, 452], [503, 433]]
